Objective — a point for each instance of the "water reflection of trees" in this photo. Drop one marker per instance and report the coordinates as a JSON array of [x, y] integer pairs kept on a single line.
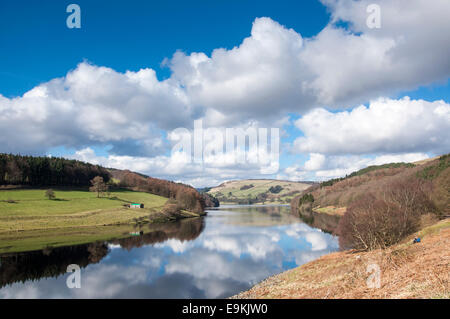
[[327, 223], [184, 230], [53, 262], [22, 267]]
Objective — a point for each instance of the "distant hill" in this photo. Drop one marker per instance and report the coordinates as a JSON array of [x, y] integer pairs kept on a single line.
[[258, 191]]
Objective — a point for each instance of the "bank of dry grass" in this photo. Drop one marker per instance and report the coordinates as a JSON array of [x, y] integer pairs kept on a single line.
[[407, 271], [331, 210]]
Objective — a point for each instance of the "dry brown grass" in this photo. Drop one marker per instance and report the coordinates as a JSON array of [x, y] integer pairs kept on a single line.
[[331, 210], [344, 192], [426, 161], [407, 271]]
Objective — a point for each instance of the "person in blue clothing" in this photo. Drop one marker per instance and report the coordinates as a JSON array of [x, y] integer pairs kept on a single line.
[[416, 240]]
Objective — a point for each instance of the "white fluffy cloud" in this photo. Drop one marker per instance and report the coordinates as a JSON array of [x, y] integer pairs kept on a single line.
[[338, 144], [176, 166], [385, 126], [276, 70], [273, 72], [341, 165], [358, 64], [94, 105], [259, 78], [315, 162]]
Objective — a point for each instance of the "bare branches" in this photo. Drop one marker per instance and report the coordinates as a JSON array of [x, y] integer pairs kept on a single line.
[[381, 219]]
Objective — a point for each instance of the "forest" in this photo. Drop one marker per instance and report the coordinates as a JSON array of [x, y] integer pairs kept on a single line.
[[47, 171]]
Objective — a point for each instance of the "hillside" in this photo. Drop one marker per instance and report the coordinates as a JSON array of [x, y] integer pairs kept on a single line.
[[407, 270], [17, 171], [23, 210], [181, 196], [333, 197], [257, 191], [31, 219]]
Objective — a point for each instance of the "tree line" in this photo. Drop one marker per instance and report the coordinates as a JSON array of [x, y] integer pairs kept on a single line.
[[365, 170], [47, 171], [186, 196]]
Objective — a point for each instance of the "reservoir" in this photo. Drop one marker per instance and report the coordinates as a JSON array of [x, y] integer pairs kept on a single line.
[[217, 256]]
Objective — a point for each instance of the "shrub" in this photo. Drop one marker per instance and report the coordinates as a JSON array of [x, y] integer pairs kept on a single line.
[[210, 201], [171, 209], [433, 171], [50, 194], [275, 189], [381, 219], [246, 187], [307, 198]]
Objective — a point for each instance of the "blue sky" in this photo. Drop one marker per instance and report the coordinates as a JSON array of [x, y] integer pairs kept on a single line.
[[129, 35], [343, 95]]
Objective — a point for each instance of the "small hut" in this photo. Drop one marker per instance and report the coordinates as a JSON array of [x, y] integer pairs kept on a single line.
[[136, 205]]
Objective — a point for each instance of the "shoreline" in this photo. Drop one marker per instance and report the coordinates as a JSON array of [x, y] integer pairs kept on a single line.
[[40, 238], [77, 215], [407, 271]]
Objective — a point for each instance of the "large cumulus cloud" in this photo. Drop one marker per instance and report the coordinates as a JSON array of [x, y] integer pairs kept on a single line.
[[385, 126], [273, 73], [93, 105]]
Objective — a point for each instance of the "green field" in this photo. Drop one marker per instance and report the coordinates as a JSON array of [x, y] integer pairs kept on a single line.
[[30, 221], [24, 210]]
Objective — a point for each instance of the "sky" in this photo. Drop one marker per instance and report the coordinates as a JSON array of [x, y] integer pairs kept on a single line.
[[126, 88]]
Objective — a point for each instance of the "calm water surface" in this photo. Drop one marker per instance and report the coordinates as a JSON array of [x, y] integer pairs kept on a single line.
[[228, 251]]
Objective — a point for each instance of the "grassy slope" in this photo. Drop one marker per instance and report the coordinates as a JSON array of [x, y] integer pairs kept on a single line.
[[75, 217], [68, 201], [334, 199], [330, 210], [260, 186], [72, 208], [407, 271]]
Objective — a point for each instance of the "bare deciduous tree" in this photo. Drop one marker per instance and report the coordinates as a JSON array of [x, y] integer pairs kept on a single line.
[[98, 186], [50, 194], [381, 219]]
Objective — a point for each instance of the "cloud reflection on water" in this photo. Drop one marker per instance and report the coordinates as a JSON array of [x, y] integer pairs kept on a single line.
[[233, 252]]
